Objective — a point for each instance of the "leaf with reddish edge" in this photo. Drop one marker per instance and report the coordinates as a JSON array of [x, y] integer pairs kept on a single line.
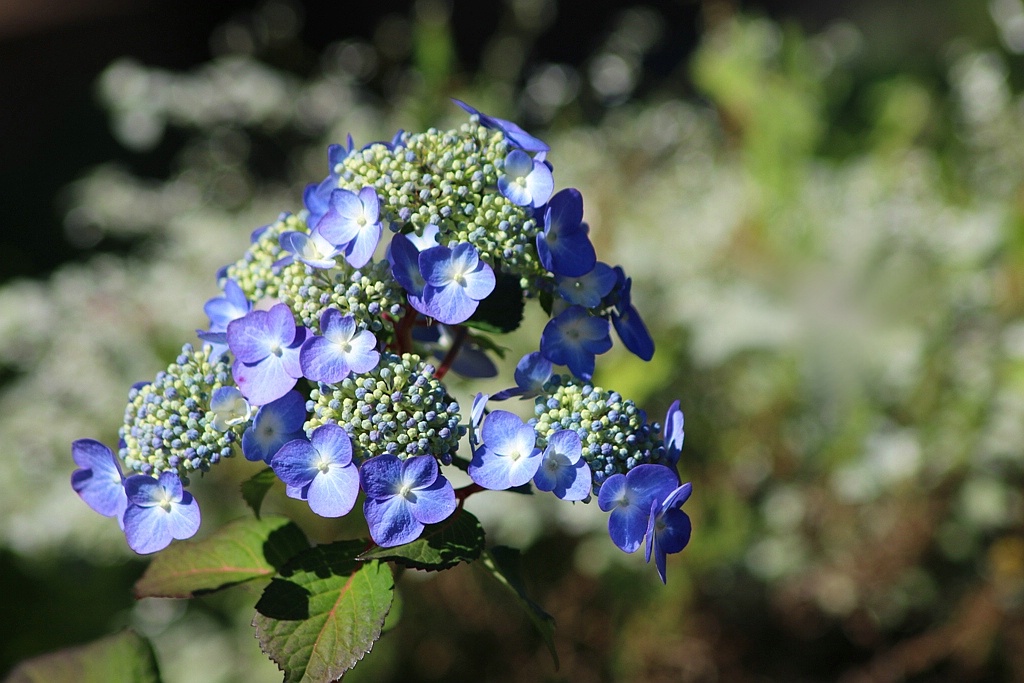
[[460, 538], [323, 612], [124, 656], [242, 550]]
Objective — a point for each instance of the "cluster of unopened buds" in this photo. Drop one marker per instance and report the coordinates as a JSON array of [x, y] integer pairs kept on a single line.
[[327, 350]]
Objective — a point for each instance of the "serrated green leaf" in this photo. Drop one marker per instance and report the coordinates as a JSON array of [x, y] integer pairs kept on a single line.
[[460, 538], [243, 550], [125, 656], [323, 612], [503, 564], [255, 488], [502, 310]]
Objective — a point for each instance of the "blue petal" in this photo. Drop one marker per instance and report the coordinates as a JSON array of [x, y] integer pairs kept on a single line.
[[449, 305], [381, 476], [404, 260], [321, 361], [99, 482], [263, 382], [674, 432], [295, 463], [391, 521], [436, 502], [633, 333], [333, 493], [360, 249], [419, 472]]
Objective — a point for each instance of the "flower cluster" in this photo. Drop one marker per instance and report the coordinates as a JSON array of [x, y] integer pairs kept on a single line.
[[315, 359]]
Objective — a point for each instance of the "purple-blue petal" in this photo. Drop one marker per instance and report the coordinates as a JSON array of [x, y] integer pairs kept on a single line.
[[391, 521], [381, 476], [99, 481], [333, 493]]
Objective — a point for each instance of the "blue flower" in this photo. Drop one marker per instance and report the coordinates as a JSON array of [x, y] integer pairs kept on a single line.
[[532, 371], [456, 280], [159, 511], [229, 408], [674, 433], [668, 528], [525, 180], [564, 246], [222, 310], [562, 469], [276, 423], [317, 198], [589, 289], [403, 255], [320, 471], [266, 346], [402, 496], [573, 338], [99, 482], [508, 456], [341, 350], [629, 497], [336, 154], [516, 135], [313, 249], [628, 325], [352, 223]]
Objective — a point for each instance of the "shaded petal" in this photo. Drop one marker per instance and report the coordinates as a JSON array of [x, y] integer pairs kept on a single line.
[[295, 463], [99, 483], [391, 521], [263, 382], [381, 476], [419, 472], [333, 493], [436, 502]]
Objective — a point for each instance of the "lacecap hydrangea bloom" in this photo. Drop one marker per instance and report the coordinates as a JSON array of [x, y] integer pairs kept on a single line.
[[328, 346]]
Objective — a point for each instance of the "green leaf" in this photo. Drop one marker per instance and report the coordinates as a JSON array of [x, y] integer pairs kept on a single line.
[[487, 344], [255, 488], [503, 564], [502, 310], [547, 301], [125, 656], [243, 550], [323, 611], [460, 538]]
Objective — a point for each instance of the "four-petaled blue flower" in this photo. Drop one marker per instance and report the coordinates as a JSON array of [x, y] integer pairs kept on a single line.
[[456, 280], [563, 471], [159, 511], [589, 289], [404, 496], [340, 350], [668, 529], [275, 424], [629, 497], [266, 346], [99, 482], [572, 338], [229, 408], [313, 249], [221, 311], [564, 245], [526, 181], [352, 223], [508, 455], [320, 470]]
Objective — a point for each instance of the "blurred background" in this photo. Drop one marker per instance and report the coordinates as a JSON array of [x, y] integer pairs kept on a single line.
[[822, 206]]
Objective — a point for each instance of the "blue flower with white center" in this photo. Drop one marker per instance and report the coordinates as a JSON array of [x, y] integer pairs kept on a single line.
[[673, 433], [525, 180], [573, 338], [516, 135], [402, 496], [564, 246], [342, 349], [629, 497], [532, 371], [562, 469], [629, 326], [159, 511], [313, 249], [508, 456], [266, 347], [456, 281], [668, 528], [229, 408], [587, 290], [352, 223], [275, 424], [320, 470], [99, 481]]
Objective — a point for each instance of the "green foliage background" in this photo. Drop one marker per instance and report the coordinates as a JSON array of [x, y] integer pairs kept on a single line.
[[826, 234]]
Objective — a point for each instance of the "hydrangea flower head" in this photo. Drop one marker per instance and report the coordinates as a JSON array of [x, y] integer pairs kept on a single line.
[[159, 511], [320, 470], [98, 480], [404, 496], [266, 347]]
